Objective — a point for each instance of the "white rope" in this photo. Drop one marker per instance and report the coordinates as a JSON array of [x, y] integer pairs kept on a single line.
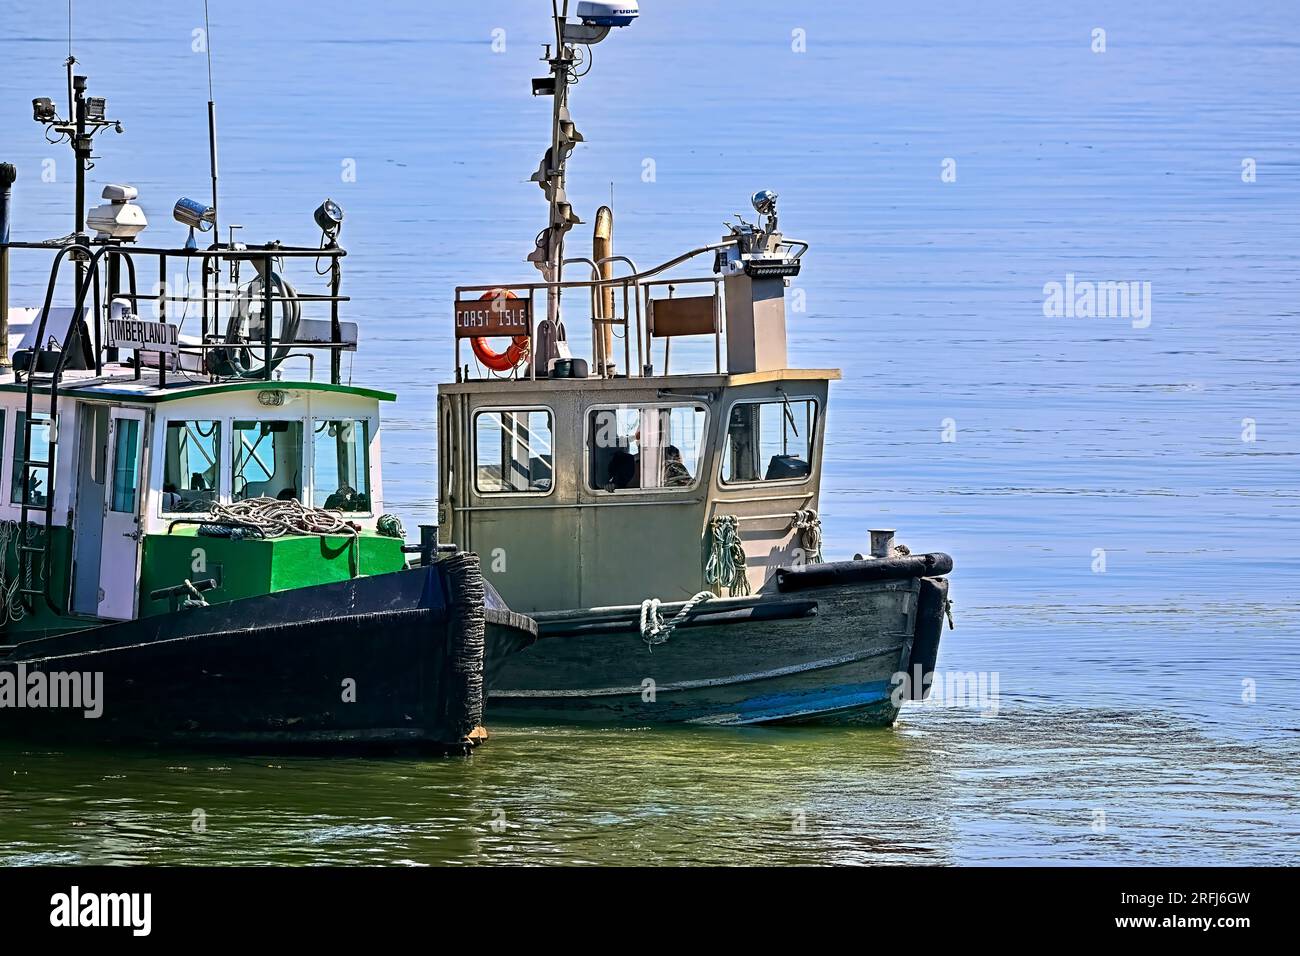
[[725, 567], [654, 629], [11, 602], [275, 518], [809, 526], [195, 597]]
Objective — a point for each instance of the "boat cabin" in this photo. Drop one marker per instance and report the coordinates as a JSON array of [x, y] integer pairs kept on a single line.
[[133, 480], [593, 483]]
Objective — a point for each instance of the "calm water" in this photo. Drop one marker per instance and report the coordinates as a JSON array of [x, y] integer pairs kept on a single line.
[[1121, 690]]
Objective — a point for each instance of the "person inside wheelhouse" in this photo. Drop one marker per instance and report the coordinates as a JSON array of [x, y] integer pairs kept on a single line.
[[645, 447]]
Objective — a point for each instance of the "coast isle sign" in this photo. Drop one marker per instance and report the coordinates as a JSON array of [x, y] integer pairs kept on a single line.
[[491, 317]]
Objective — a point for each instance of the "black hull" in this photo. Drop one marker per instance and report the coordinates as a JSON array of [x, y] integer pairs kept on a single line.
[[386, 661], [830, 645]]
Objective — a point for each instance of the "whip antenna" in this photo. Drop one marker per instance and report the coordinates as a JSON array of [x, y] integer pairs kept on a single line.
[[212, 117], [215, 264]]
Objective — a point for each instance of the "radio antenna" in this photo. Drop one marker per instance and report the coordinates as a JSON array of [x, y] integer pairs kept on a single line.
[[212, 118]]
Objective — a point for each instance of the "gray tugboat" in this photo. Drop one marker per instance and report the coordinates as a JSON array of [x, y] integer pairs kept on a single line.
[[661, 526]]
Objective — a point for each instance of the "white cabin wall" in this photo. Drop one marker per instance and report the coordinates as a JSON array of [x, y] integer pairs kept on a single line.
[[14, 404]]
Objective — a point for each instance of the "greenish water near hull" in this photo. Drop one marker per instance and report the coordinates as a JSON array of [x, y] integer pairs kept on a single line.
[[945, 788]]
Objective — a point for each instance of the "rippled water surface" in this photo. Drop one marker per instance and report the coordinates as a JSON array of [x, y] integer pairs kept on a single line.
[[1162, 692]]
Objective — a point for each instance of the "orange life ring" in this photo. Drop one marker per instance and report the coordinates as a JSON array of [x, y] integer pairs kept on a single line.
[[512, 356]]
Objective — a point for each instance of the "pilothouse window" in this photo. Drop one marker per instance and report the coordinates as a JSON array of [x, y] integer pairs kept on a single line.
[[268, 460], [512, 451], [35, 478], [769, 441], [191, 466], [645, 447], [341, 464]]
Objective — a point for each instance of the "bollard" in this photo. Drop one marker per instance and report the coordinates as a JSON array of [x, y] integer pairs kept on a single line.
[[882, 542]]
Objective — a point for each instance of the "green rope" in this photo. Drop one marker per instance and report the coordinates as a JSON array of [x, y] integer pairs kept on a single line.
[[390, 526], [725, 567]]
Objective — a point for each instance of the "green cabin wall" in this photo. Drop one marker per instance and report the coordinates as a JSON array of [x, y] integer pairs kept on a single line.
[[252, 566], [40, 619]]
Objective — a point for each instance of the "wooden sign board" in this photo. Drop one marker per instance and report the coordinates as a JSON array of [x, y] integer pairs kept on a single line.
[[489, 317], [688, 315], [133, 332]]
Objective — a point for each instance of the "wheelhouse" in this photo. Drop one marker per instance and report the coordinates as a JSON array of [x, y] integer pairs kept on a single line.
[[589, 482], [139, 469]]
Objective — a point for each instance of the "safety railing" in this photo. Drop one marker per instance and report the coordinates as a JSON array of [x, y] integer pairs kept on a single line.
[[110, 271], [634, 289]]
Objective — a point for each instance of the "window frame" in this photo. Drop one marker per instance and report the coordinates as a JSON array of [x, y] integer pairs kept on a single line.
[[19, 419], [111, 487], [304, 462], [370, 429], [222, 443], [587, 436], [473, 462], [774, 482]]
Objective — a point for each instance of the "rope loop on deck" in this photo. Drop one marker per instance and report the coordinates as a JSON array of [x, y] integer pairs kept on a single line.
[[274, 518], [654, 629], [195, 597], [725, 567]]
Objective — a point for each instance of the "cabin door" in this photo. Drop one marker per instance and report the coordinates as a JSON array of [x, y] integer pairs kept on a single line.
[[120, 555]]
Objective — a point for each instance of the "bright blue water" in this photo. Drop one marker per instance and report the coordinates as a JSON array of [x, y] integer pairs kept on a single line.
[[1122, 691]]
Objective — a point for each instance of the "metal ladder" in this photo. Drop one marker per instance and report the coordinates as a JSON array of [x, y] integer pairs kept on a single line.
[[27, 553]]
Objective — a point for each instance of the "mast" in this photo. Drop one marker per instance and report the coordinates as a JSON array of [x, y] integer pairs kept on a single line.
[[8, 176], [597, 18]]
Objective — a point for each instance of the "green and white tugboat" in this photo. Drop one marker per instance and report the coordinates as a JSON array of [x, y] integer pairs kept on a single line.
[[193, 547], [660, 525]]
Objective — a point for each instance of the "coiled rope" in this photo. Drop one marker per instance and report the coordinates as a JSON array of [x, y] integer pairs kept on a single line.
[[654, 629], [11, 602], [390, 526], [809, 527], [274, 518], [725, 567]]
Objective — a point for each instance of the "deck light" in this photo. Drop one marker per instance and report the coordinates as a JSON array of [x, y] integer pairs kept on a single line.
[[329, 216], [95, 109], [764, 202], [196, 215]]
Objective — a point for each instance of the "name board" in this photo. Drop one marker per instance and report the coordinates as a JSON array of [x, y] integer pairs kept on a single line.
[[130, 332], [488, 317]]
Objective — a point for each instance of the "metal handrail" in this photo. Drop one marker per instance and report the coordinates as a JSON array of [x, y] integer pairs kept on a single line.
[[597, 283], [632, 281], [83, 249]]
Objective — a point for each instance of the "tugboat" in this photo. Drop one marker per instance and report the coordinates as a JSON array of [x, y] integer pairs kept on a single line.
[[193, 548], [660, 525]]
